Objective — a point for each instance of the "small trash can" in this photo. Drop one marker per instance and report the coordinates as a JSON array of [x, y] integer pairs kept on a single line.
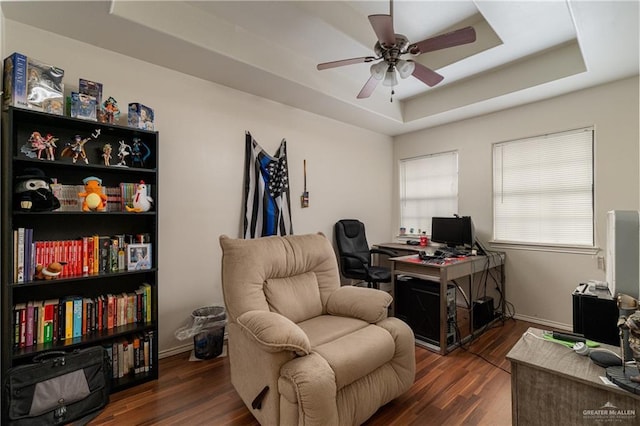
[[208, 342]]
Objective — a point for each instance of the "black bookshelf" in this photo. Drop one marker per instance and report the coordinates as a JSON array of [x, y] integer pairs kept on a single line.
[[18, 124]]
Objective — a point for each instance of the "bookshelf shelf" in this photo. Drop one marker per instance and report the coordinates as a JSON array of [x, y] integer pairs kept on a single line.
[[89, 339], [79, 213], [83, 278], [29, 162], [133, 328]]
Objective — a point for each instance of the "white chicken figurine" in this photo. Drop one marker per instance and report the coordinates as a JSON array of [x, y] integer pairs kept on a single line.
[[141, 201]]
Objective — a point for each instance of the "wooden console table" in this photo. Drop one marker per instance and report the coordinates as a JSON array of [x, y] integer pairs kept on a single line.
[[553, 385], [443, 273]]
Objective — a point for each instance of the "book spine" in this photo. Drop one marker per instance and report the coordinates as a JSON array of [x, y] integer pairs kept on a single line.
[[85, 255], [30, 318], [105, 254], [20, 251], [96, 254], [146, 352], [15, 255], [111, 308], [40, 334], [77, 317], [115, 359], [68, 319], [16, 326], [85, 317], [23, 327], [20, 313], [28, 236]]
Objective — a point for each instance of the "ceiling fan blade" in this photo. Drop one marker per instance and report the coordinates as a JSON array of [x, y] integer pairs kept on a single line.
[[383, 27], [343, 62], [368, 88], [426, 75], [451, 39]]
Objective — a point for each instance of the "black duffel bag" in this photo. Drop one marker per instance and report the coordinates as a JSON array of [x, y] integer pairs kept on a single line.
[[59, 387]]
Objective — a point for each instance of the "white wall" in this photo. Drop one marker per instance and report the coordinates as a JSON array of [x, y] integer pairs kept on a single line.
[[202, 128], [539, 284]]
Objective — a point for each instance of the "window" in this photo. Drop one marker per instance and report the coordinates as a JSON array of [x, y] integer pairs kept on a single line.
[[428, 188], [543, 190]]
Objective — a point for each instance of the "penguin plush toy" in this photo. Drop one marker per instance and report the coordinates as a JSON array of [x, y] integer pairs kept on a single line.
[[32, 192]]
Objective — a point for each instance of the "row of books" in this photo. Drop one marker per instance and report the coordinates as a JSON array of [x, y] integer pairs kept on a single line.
[[131, 356], [55, 320], [117, 197], [87, 255]]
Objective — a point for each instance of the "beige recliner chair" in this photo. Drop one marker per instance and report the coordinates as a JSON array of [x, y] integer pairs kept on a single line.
[[304, 350]]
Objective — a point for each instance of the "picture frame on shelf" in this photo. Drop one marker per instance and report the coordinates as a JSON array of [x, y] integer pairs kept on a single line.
[[138, 256]]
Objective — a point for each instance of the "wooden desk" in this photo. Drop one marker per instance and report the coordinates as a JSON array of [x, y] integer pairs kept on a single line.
[[552, 385], [443, 273]]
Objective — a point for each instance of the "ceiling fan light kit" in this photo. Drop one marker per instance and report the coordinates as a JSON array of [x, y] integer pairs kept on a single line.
[[390, 48]]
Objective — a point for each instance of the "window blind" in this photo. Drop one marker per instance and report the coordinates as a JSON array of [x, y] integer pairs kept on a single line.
[[543, 189], [428, 188]]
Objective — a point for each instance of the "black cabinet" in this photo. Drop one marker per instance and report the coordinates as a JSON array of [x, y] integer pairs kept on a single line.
[[138, 329]]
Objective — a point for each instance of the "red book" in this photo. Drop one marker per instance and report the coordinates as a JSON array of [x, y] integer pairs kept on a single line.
[[99, 313], [111, 311], [48, 319]]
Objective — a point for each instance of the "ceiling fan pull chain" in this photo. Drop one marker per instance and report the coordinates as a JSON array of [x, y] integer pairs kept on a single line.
[[393, 92]]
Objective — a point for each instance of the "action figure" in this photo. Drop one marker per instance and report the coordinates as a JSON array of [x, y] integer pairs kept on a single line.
[[50, 146], [75, 149], [123, 151], [109, 111], [137, 157], [34, 146], [106, 154]]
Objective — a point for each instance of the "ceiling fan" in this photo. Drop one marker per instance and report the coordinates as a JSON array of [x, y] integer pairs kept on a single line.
[[390, 48]]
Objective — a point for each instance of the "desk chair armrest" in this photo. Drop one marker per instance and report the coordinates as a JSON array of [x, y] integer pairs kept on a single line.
[[367, 304], [357, 257], [273, 332], [389, 253]]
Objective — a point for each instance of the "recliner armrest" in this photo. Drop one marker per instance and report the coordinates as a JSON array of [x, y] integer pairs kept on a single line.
[[367, 304], [274, 332]]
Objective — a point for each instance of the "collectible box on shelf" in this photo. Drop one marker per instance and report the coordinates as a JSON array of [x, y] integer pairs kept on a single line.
[[140, 116], [83, 106], [29, 83], [91, 88]]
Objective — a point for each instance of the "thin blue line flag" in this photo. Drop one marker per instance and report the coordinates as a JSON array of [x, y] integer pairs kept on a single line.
[[267, 205]]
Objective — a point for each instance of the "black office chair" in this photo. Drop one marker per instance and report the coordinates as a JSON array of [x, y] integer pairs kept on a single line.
[[355, 255]]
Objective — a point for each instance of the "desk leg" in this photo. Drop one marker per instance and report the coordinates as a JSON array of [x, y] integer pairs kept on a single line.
[[503, 288], [392, 308], [443, 312]]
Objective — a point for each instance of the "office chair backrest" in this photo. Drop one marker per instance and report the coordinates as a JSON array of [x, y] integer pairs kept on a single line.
[[351, 238]]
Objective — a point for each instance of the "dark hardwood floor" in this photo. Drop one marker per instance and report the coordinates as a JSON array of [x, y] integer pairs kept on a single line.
[[470, 386]]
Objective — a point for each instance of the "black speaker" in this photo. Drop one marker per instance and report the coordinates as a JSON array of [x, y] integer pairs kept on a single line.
[[595, 315]]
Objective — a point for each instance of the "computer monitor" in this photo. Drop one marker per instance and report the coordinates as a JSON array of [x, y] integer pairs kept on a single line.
[[453, 231]]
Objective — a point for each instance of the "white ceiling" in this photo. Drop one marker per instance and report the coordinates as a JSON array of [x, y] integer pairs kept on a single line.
[[525, 50]]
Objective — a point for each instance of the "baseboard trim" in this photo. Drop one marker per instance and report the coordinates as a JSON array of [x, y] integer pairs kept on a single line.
[[550, 324], [175, 350]]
